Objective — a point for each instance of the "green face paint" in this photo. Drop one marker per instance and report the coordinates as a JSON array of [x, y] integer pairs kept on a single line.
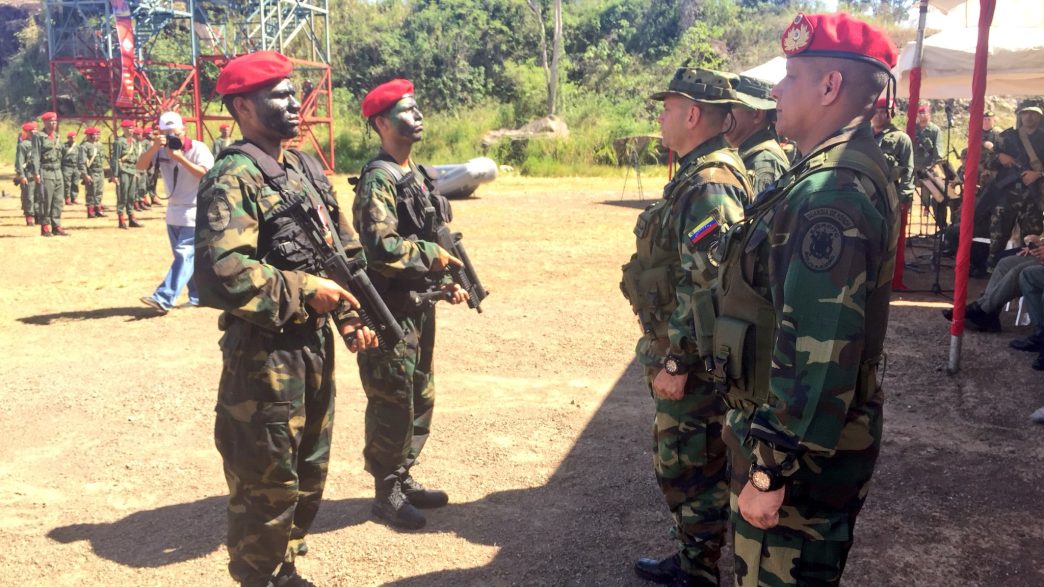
[[406, 118]]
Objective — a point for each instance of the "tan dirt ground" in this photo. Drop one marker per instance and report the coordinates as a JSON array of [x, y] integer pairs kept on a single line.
[[109, 475]]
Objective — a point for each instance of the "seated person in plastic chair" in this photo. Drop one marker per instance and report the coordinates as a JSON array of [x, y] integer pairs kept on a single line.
[[1031, 284], [984, 313]]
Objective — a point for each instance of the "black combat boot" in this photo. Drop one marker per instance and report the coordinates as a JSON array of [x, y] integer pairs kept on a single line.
[[669, 572], [391, 506], [1033, 343], [980, 319], [421, 497], [288, 577]]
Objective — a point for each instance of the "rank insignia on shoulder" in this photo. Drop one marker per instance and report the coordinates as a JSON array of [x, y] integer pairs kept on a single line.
[[708, 226]]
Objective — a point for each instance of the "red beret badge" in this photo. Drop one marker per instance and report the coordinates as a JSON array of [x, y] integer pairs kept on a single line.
[[798, 35]]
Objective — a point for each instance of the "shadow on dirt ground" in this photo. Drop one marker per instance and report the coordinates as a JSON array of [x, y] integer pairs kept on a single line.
[[132, 313]]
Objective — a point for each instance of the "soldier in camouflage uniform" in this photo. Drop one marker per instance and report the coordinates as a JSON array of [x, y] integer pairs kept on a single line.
[[222, 141], [70, 172], [275, 403], [1019, 150], [142, 141], [805, 286], [90, 164], [397, 212], [752, 131], [928, 150], [25, 173], [47, 160], [897, 148], [668, 283], [124, 175]]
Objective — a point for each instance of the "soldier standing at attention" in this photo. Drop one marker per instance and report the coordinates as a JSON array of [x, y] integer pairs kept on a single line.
[[124, 175], [222, 141], [47, 160], [25, 173], [91, 168], [275, 402], [1020, 148], [752, 130], [70, 173], [897, 148], [142, 142], [805, 287], [668, 283], [396, 213]]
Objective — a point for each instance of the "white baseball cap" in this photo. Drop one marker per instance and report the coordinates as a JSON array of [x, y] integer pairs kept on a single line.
[[170, 121]]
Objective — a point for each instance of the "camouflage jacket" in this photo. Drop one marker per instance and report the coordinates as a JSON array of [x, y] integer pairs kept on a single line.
[[765, 161], [927, 146], [232, 230], [1010, 144], [24, 157], [89, 159], [898, 150], [375, 216], [47, 152], [697, 206], [823, 254], [124, 157]]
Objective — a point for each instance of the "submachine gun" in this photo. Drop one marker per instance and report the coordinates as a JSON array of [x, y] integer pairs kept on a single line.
[[465, 276], [331, 262]]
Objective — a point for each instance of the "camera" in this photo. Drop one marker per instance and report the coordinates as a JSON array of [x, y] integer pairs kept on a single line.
[[174, 142]]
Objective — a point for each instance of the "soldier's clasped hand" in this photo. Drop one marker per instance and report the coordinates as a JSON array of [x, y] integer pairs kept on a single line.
[[455, 294], [358, 336]]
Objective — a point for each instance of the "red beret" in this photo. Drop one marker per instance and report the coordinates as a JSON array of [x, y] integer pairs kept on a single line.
[[924, 108], [91, 130], [883, 103], [224, 125], [139, 130], [838, 35], [29, 127], [253, 71], [48, 116], [126, 124], [385, 96], [70, 134]]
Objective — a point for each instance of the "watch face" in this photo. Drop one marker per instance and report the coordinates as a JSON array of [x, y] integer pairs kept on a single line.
[[760, 480], [671, 366]]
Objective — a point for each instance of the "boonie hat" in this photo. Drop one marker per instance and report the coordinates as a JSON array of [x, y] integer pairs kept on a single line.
[[1030, 105], [754, 93], [700, 85]]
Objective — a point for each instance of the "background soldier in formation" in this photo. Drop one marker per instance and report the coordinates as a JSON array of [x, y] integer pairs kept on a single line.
[[668, 283], [70, 171], [47, 161], [222, 141], [1019, 151], [752, 130], [142, 141], [124, 175], [25, 173], [91, 168], [897, 148], [275, 403], [397, 213], [805, 288]]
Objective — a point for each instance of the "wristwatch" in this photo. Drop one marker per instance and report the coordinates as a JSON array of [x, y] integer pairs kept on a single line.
[[765, 479], [673, 365]]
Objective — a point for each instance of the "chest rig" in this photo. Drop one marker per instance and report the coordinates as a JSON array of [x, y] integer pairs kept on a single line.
[[650, 276], [282, 242], [746, 327]]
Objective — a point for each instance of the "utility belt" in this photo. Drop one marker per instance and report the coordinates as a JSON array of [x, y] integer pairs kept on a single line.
[[50, 167]]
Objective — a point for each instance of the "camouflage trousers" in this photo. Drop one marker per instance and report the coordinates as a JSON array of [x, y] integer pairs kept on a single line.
[[71, 184], [400, 398], [690, 462], [92, 190], [126, 191], [274, 424], [29, 195], [50, 199], [817, 521], [1022, 207]]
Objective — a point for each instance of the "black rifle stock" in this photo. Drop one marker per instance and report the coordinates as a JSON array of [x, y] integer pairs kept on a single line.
[[464, 276], [347, 273]]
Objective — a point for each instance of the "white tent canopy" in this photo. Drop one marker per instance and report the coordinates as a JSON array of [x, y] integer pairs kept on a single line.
[[1016, 63], [773, 70]]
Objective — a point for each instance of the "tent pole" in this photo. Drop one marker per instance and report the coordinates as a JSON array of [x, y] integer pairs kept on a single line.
[[971, 178], [915, 73]]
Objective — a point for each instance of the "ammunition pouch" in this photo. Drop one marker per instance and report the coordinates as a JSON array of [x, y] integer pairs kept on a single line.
[[651, 293]]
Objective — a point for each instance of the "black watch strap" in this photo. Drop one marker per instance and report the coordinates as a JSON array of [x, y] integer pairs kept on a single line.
[[765, 479], [674, 365]]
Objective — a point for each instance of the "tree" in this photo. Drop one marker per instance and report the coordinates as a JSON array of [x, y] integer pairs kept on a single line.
[[550, 70]]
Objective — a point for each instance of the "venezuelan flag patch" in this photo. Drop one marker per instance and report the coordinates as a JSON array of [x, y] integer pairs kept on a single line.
[[708, 226]]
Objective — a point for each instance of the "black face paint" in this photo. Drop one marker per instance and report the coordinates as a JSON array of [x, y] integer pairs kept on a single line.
[[278, 110], [406, 118]]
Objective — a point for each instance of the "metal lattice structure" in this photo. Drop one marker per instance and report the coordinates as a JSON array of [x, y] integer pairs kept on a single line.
[[112, 60]]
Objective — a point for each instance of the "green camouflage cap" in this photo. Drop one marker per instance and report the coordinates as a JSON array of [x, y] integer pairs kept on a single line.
[[755, 93], [701, 85], [1030, 105]]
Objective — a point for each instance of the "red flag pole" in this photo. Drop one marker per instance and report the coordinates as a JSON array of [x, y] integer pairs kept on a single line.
[[971, 178]]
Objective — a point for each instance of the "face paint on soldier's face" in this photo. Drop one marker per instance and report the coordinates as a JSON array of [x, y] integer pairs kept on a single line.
[[406, 118], [277, 109]]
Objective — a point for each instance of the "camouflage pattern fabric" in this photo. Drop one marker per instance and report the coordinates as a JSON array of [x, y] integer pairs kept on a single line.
[[1022, 205], [70, 172], [89, 163], [24, 169], [688, 454], [399, 385], [927, 146], [124, 157], [764, 164], [898, 150], [823, 254], [275, 398], [47, 159]]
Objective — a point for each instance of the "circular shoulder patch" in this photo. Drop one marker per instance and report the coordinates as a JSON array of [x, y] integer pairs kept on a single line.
[[219, 214], [822, 245]]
